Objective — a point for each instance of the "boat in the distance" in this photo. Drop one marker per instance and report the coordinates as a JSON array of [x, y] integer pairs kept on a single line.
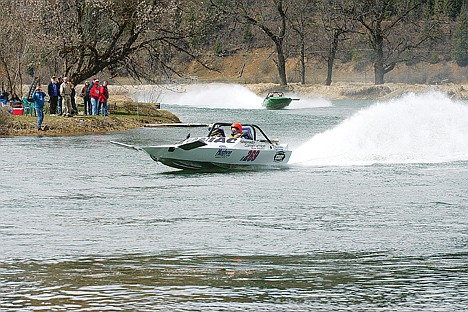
[[277, 100], [253, 149]]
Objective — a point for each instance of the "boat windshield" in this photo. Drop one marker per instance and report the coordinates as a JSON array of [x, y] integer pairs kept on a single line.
[[250, 131], [275, 94]]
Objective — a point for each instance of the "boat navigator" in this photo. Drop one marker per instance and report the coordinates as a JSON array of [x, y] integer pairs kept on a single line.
[[216, 150]]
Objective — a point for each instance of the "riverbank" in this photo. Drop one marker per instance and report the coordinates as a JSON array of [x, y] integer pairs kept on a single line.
[[124, 115], [79, 125]]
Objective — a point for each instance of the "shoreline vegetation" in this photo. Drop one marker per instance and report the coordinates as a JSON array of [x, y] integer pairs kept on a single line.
[[126, 114]]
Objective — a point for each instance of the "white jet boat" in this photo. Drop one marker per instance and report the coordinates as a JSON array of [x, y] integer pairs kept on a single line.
[[252, 149]]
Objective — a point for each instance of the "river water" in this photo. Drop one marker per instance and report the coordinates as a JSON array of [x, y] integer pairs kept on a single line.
[[371, 214]]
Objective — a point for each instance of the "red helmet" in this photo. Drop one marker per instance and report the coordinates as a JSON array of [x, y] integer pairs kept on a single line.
[[237, 125]]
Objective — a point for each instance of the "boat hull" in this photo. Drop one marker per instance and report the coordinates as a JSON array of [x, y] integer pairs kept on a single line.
[[276, 102]]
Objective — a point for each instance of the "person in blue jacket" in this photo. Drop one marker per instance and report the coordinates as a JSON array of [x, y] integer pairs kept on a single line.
[[39, 100]]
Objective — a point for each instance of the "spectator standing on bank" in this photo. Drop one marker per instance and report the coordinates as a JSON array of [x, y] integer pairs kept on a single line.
[[94, 94], [53, 89], [60, 98], [89, 92], [86, 99], [73, 101], [103, 97], [39, 100], [66, 91]]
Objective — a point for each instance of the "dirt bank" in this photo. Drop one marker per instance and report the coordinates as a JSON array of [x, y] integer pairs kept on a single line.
[[78, 125]]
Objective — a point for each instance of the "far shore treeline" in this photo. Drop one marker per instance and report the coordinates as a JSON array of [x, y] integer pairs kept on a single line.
[[161, 41]]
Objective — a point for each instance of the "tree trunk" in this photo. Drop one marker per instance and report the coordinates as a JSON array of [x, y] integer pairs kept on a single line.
[[379, 71], [8, 76], [379, 67], [303, 67], [331, 58], [19, 78], [281, 64], [379, 74], [328, 81]]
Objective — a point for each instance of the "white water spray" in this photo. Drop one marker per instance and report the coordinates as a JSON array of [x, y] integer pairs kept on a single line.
[[307, 102], [424, 128], [217, 95]]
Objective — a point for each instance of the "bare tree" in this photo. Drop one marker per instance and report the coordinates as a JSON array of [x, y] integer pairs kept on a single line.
[[336, 27], [136, 36], [15, 45], [299, 17], [393, 27], [269, 16]]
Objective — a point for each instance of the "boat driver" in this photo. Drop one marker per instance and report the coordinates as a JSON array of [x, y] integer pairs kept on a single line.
[[217, 132], [236, 130]]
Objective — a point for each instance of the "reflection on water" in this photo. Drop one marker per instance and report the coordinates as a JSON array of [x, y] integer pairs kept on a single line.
[[237, 283]]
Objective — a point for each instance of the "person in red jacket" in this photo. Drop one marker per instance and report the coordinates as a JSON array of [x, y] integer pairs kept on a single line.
[[103, 97], [94, 94]]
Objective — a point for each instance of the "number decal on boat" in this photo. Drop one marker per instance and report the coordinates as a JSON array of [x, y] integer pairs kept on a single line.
[[251, 156]]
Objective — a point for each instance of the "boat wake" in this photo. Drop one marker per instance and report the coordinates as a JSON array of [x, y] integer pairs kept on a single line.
[[217, 95], [423, 128]]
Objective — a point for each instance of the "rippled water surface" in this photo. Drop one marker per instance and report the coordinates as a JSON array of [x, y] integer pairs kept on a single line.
[[86, 225]]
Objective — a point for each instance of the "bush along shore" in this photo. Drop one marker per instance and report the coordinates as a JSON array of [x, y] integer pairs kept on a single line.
[[124, 115]]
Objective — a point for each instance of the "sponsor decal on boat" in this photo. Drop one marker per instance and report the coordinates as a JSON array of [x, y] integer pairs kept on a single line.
[[251, 155], [223, 152], [221, 140], [279, 156], [254, 145]]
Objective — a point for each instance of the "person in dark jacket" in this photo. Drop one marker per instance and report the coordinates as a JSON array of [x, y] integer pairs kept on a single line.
[[73, 101], [86, 99], [53, 89]]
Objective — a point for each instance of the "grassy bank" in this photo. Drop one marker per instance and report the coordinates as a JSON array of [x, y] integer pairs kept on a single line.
[[124, 114]]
